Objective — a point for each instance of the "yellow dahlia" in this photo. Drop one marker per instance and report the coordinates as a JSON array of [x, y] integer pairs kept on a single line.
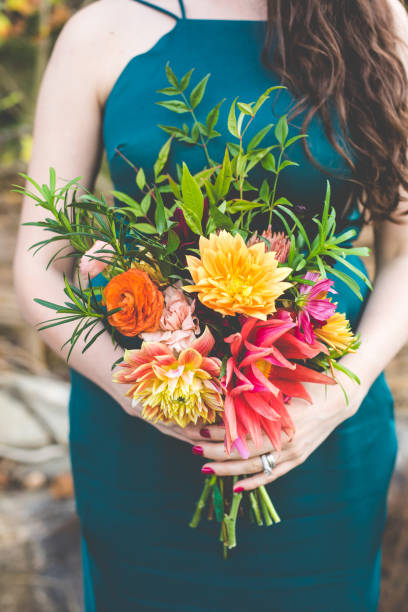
[[336, 332], [174, 389], [233, 278]]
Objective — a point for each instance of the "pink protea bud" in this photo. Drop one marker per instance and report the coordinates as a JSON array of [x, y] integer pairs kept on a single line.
[[276, 241]]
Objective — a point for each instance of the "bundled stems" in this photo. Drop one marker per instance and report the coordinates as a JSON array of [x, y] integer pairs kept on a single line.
[[259, 505]]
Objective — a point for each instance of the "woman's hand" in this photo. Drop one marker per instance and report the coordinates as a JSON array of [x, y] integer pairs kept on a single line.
[[313, 424], [192, 434]]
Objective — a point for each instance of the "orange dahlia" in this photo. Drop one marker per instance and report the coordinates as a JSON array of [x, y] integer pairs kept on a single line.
[[140, 302], [174, 389], [336, 333], [232, 278]]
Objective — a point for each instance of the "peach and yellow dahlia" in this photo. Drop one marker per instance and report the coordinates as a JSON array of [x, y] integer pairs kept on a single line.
[[233, 278], [336, 332], [174, 389]]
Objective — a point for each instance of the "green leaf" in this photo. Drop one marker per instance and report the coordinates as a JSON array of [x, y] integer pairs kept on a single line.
[[245, 108], [298, 223], [197, 94], [294, 139], [218, 220], [286, 163], [255, 141], [145, 228], [265, 96], [281, 130], [232, 120], [213, 116], [269, 163], [145, 203], [351, 284], [173, 242], [186, 80], [171, 77], [238, 205], [140, 179], [224, 178], [193, 199], [264, 191], [168, 91], [130, 202], [177, 106], [193, 222], [355, 270], [349, 373], [159, 215], [162, 157]]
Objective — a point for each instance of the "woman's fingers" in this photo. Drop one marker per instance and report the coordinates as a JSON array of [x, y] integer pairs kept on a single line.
[[261, 479], [217, 452]]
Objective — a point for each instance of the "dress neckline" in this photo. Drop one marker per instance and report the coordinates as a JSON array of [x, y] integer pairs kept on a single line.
[[165, 37]]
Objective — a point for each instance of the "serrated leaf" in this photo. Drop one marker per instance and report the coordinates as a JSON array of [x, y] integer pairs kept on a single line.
[[262, 98], [286, 163], [140, 179], [192, 199], [159, 215], [168, 91], [294, 139], [257, 139], [213, 116], [269, 163], [281, 130], [174, 187], [145, 203], [162, 157], [173, 242], [224, 178], [232, 120], [245, 108], [177, 106], [186, 80], [171, 77], [197, 94]]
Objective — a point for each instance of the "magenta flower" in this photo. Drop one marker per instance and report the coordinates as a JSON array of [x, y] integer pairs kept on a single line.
[[313, 305]]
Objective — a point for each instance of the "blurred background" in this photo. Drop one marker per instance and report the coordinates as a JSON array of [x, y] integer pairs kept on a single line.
[[39, 532]]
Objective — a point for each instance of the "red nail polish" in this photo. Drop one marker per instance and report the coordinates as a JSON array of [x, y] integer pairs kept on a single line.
[[205, 433], [207, 470], [239, 489], [197, 450]]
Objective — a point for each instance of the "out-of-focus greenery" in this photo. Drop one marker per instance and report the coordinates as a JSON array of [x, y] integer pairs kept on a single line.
[[28, 30]]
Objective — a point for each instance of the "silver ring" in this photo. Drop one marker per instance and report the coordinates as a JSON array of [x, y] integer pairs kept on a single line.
[[268, 462]]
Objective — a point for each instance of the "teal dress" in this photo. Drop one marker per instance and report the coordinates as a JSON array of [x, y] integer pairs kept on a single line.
[[135, 487]]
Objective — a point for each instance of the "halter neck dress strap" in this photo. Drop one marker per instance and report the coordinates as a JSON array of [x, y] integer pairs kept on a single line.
[[165, 11]]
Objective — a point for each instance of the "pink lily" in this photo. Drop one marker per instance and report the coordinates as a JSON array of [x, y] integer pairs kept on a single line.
[[313, 305]]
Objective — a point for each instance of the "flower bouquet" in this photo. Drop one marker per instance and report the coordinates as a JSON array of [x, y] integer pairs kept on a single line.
[[231, 296]]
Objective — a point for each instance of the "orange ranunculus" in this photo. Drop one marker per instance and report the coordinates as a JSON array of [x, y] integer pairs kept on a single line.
[[140, 301]]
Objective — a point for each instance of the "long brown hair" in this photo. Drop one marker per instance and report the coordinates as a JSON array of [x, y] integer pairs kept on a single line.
[[343, 54]]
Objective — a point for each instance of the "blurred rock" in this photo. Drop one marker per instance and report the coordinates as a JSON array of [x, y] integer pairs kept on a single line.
[[17, 427], [40, 569], [34, 480], [62, 487], [33, 417]]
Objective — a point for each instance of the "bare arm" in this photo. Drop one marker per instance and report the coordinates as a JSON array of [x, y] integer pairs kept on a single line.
[[67, 136]]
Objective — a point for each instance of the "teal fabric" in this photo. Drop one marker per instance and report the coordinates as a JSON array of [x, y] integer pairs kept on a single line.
[[135, 487]]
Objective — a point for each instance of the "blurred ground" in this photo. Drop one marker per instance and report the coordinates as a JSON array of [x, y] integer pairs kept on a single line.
[[39, 532]]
